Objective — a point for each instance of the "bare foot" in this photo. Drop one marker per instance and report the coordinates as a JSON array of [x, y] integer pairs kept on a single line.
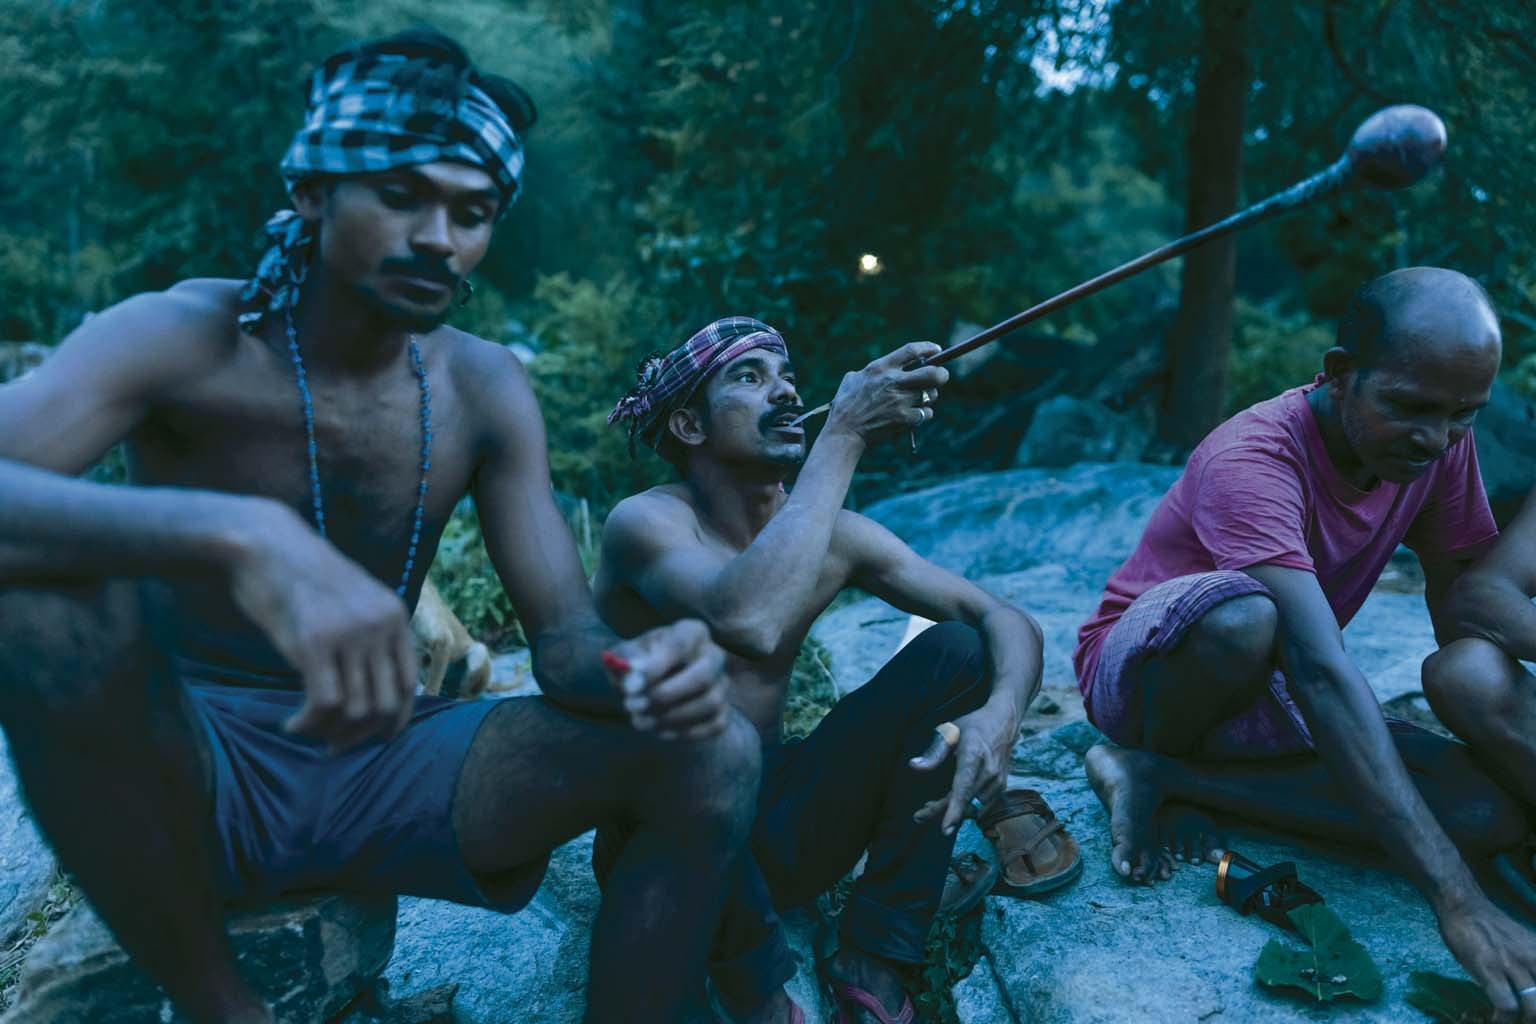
[[1190, 835], [872, 974], [1126, 782]]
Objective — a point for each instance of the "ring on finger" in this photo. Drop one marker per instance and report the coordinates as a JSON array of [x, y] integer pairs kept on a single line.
[[927, 397], [977, 806]]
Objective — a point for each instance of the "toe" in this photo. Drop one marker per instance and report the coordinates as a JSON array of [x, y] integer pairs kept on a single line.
[[1120, 859]]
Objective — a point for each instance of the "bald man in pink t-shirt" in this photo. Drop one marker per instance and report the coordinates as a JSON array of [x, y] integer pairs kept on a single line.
[[1215, 662]]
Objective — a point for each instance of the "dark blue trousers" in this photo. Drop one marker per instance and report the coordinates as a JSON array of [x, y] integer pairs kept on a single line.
[[827, 799]]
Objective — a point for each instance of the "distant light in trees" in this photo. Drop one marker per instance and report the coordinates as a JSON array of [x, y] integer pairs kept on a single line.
[[870, 265]]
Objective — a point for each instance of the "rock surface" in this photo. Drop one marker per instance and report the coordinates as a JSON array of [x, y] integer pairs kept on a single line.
[[1100, 951], [309, 958], [1067, 430], [26, 861], [1047, 540], [1104, 951], [536, 958]]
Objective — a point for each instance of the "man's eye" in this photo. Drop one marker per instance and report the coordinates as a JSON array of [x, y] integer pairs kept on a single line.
[[396, 197], [472, 218], [747, 378]]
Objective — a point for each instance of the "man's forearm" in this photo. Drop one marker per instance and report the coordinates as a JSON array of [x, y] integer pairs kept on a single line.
[[56, 528], [773, 580], [1354, 742], [568, 666]]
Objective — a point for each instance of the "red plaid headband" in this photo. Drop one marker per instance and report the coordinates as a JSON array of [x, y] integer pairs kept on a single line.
[[666, 383]]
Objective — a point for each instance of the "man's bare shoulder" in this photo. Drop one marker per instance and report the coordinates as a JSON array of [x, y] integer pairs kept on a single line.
[[490, 382], [477, 364], [650, 517], [197, 306], [162, 336]]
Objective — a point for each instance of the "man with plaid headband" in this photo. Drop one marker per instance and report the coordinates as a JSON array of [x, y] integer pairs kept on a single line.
[[209, 683], [729, 545]]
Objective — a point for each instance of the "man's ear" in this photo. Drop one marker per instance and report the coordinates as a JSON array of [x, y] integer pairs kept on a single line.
[[1340, 367], [309, 198], [687, 426]]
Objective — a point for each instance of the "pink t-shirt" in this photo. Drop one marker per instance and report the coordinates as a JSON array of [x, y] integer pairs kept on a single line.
[[1261, 490]]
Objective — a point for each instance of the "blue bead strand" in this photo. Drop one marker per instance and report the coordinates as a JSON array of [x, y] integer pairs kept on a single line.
[[306, 402]]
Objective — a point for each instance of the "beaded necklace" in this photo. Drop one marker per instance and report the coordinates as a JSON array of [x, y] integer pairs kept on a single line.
[[314, 464]]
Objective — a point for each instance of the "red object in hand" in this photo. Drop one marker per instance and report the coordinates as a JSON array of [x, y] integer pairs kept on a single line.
[[613, 663]]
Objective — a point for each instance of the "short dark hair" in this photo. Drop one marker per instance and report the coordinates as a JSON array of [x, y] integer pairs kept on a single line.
[[1363, 328], [429, 45]]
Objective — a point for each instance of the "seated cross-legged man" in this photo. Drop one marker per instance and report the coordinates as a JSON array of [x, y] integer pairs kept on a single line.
[[208, 678], [729, 544], [1215, 662]]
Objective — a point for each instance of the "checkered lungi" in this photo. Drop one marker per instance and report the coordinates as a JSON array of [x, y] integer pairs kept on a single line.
[[1152, 627]]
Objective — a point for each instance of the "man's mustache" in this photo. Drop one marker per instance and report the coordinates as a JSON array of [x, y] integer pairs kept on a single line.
[[791, 410], [428, 270]]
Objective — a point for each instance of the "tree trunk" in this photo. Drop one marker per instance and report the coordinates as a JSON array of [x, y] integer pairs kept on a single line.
[[1197, 345]]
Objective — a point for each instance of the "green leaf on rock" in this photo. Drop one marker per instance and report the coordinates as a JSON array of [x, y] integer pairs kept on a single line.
[[1331, 966], [1450, 999]]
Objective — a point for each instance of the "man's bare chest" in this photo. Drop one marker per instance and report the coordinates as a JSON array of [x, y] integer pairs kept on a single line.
[[242, 430]]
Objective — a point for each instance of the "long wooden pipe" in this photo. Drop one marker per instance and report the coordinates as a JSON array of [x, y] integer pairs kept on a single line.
[[1392, 149]]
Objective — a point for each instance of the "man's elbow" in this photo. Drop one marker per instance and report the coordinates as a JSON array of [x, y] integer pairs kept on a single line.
[[753, 640], [741, 626], [1032, 628], [1015, 622]]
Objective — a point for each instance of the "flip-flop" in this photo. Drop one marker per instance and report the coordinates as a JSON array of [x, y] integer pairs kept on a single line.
[[844, 994], [796, 1014], [1035, 853], [969, 879]]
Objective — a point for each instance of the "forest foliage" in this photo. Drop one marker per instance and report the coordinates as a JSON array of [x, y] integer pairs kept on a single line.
[[709, 158]]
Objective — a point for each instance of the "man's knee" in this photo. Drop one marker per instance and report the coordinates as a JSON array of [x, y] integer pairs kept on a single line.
[[74, 653], [1471, 678], [950, 641], [717, 779], [1239, 631], [944, 659], [1223, 663]]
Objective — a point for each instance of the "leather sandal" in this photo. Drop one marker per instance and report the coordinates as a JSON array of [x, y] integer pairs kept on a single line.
[[1036, 853], [969, 879]]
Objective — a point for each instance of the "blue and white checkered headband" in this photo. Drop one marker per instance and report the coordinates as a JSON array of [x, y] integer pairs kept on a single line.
[[375, 112], [372, 112]]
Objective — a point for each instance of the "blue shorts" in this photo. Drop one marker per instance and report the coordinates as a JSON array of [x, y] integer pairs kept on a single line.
[[379, 818]]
